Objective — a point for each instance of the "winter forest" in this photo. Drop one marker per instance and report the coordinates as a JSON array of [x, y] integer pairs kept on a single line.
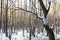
[[29, 19]]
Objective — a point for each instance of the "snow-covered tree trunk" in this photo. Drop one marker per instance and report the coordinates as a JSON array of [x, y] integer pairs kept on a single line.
[[45, 21]]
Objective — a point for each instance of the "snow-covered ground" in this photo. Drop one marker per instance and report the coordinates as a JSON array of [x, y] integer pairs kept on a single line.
[[19, 36]]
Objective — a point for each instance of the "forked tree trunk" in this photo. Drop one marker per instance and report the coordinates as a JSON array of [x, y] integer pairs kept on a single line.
[[45, 22]]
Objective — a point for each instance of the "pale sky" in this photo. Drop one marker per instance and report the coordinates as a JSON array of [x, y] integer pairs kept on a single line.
[[58, 1]]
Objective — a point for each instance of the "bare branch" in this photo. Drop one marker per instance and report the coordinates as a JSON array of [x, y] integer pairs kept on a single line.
[[17, 8], [49, 6], [26, 11], [37, 15]]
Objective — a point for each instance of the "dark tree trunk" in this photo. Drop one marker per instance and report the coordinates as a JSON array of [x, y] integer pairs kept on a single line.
[[50, 32], [23, 31], [1, 16], [27, 30], [7, 19], [33, 31], [10, 37], [30, 35]]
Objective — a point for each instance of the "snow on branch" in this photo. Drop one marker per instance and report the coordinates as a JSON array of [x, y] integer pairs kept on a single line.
[[43, 19]]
